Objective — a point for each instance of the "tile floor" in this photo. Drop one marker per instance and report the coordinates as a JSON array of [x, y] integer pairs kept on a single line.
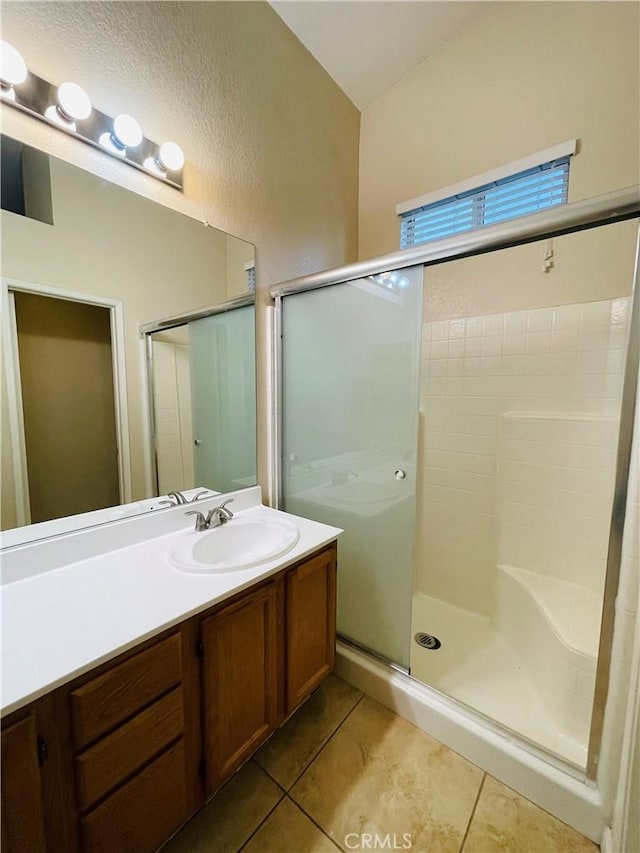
[[344, 770]]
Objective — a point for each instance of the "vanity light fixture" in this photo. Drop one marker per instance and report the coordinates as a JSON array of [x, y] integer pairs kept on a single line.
[[69, 108], [169, 158], [126, 133], [391, 280], [73, 105], [13, 70]]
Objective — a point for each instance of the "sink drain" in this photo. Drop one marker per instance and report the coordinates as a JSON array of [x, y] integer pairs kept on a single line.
[[428, 641]]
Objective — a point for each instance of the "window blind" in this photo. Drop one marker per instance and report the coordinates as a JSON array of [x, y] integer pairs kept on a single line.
[[517, 195], [251, 278]]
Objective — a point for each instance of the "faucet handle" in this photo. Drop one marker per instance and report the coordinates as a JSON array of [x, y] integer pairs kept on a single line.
[[198, 495], [201, 522], [223, 507]]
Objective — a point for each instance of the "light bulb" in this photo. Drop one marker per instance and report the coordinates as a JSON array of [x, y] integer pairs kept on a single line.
[[151, 164], [13, 69], [170, 156], [127, 133], [106, 140], [73, 102]]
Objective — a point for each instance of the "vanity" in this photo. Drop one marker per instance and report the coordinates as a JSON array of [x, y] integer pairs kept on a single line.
[[142, 668]]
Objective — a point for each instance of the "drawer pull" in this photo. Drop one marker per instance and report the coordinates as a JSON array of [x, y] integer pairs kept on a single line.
[[43, 751]]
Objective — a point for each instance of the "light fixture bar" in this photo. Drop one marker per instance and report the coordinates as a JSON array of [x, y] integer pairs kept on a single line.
[[36, 95]]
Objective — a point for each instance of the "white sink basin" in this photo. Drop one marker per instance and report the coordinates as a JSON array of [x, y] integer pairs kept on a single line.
[[237, 544]]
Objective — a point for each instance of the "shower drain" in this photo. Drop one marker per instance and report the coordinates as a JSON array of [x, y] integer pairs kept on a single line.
[[427, 641]]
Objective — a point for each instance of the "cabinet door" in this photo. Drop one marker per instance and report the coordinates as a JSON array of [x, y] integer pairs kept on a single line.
[[239, 682], [311, 625], [22, 812]]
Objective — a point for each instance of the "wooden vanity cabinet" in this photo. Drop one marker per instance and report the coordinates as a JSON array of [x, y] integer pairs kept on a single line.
[[310, 617], [119, 758], [239, 682], [22, 826], [111, 764], [128, 736], [262, 656]]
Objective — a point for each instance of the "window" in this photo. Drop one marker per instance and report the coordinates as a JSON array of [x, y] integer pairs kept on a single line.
[[505, 193], [250, 269], [25, 181]]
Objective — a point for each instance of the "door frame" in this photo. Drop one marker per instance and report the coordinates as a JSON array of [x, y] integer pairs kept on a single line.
[[14, 388], [146, 331]]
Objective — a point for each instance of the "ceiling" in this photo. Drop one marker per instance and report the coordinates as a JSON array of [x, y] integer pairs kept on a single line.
[[368, 45]]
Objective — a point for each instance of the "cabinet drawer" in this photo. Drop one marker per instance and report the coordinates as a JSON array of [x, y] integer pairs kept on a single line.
[[142, 814], [121, 692], [116, 757]]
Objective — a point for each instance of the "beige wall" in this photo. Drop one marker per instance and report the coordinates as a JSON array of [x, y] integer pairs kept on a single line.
[[108, 242], [271, 143], [587, 267], [517, 79]]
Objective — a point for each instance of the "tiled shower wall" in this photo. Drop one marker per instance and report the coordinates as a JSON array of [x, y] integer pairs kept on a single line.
[[555, 482], [565, 360]]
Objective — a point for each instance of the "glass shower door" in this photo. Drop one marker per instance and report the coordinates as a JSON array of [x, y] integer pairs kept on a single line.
[[223, 399], [351, 356]]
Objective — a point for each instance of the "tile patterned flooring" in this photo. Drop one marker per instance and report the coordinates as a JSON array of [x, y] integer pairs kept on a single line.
[[344, 770]]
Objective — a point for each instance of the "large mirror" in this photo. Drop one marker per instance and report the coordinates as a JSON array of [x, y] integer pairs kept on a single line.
[[86, 265], [202, 399]]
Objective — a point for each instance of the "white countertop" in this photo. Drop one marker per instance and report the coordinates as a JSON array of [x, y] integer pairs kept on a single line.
[[69, 523], [60, 619]]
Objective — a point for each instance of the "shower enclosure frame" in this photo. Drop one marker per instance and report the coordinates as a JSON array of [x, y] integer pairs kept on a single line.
[[601, 210], [146, 330]]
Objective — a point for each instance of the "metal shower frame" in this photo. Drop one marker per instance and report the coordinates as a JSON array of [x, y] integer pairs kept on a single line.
[[595, 212]]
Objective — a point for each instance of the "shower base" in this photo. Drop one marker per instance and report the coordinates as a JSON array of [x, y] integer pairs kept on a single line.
[[476, 665]]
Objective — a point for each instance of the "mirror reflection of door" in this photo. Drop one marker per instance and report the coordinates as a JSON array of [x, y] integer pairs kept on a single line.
[[65, 364], [204, 391], [172, 410], [223, 399]]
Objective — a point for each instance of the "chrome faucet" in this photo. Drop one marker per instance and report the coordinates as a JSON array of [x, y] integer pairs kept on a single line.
[[219, 514], [214, 518], [178, 499], [175, 499], [198, 495], [202, 523]]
